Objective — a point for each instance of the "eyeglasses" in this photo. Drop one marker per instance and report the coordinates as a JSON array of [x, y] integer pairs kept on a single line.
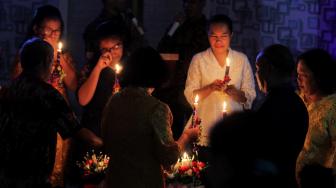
[[48, 31], [115, 47]]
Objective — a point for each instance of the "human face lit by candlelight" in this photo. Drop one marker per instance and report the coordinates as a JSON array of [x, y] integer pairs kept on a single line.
[[114, 47], [305, 78], [50, 31], [219, 37]]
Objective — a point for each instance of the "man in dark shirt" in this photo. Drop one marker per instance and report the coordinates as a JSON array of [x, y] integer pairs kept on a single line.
[[187, 39], [283, 117], [31, 113]]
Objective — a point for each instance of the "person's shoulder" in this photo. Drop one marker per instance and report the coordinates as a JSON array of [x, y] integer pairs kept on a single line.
[[203, 54], [329, 103], [49, 93], [162, 104], [161, 108], [285, 102], [155, 103], [239, 54]]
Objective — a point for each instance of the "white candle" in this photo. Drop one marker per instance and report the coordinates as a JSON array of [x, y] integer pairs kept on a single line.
[[194, 115], [116, 86], [118, 68], [196, 101], [59, 51], [185, 159], [227, 69], [224, 109], [60, 46]]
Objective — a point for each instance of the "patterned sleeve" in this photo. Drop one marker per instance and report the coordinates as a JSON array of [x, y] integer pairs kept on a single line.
[[63, 117], [167, 149], [193, 80], [248, 85]]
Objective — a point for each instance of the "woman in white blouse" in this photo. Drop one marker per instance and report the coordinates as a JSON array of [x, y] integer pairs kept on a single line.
[[206, 75]]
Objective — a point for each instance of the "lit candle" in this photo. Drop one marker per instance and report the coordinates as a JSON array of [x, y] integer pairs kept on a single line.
[[57, 73], [194, 115], [118, 68], [59, 51], [185, 160], [60, 46], [194, 122], [227, 70], [227, 67], [116, 86], [224, 109]]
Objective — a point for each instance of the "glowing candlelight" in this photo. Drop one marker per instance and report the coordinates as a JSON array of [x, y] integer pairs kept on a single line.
[[118, 68], [196, 101], [116, 86], [227, 67], [60, 46], [185, 160], [58, 56], [224, 109], [57, 72], [227, 70], [228, 62], [194, 114]]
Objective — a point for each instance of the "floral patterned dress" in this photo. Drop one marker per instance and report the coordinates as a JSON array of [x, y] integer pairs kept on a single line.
[[320, 143]]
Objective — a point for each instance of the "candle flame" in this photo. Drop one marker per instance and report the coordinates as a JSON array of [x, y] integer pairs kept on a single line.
[[60, 46], [227, 61], [118, 68], [185, 157], [224, 107], [196, 99]]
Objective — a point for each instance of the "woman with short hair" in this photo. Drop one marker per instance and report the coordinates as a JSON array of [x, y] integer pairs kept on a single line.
[[136, 126]]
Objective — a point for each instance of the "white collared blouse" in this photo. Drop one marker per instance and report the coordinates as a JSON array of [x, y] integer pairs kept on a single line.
[[203, 70]]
